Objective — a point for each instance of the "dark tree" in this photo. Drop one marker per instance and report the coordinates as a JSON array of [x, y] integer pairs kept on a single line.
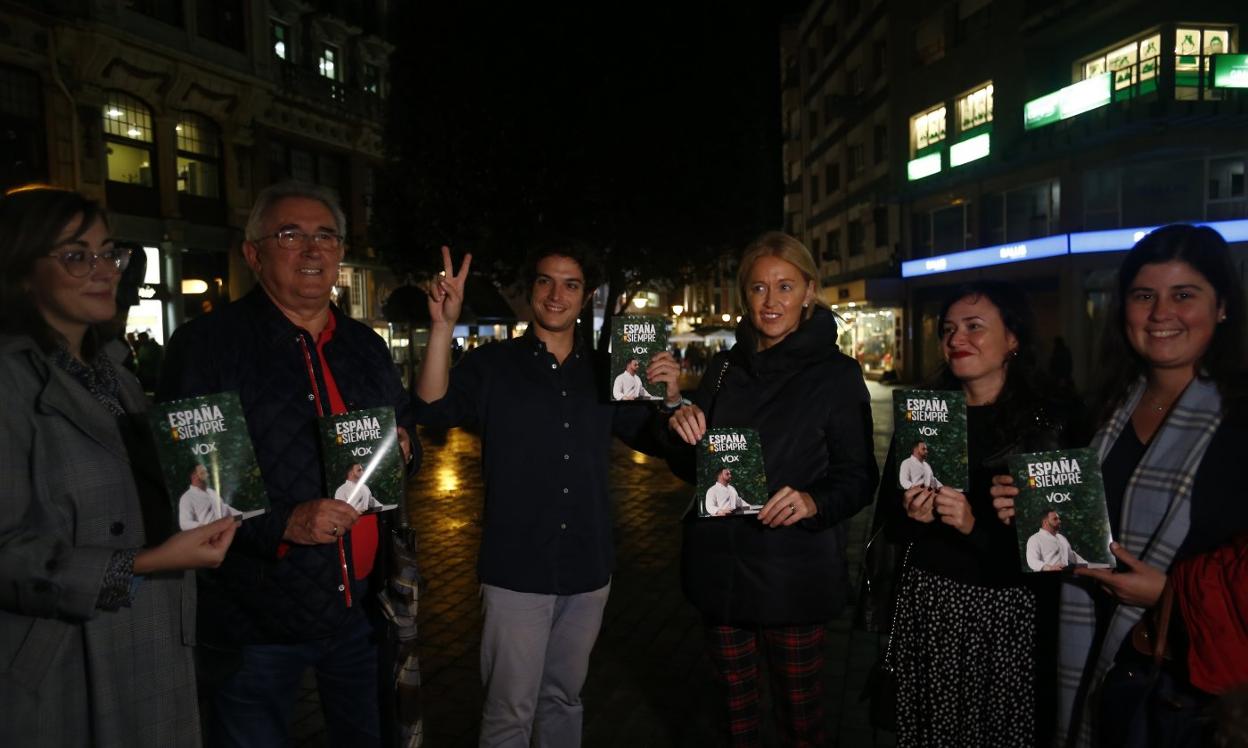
[[650, 132]]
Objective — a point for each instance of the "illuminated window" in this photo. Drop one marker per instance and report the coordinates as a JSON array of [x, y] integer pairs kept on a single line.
[[1133, 65], [927, 129], [328, 63], [199, 169], [975, 108], [1192, 49], [128, 140], [280, 40]]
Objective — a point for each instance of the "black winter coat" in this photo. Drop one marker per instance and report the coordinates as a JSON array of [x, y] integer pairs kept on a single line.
[[810, 406], [250, 347]]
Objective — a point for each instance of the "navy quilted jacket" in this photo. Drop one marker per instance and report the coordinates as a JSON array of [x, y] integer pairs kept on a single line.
[[249, 346]]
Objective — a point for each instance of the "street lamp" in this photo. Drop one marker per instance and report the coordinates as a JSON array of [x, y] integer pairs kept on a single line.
[[677, 309], [726, 317], [639, 302]]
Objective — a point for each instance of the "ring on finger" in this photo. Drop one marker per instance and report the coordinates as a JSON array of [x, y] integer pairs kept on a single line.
[[334, 531]]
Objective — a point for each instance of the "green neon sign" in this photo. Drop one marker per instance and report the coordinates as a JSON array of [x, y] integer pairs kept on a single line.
[[923, 167], [1068, 102], [1230, 71], [970, 150]]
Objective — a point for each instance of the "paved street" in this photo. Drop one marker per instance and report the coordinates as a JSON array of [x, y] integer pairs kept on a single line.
[[649, 682]]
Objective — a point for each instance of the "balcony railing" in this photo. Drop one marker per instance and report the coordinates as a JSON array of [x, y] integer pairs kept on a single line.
[[328, 94]]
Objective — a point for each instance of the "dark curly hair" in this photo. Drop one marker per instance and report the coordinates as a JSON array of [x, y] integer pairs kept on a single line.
[[1224, 361], [551, 245], [1026, 392]]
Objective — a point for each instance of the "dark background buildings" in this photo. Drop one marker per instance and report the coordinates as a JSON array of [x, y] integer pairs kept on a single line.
[[663, 134], [874, 89]]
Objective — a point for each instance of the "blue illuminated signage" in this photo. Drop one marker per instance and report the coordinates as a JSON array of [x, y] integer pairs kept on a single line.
[[1117, 240], [1114, 240], [1032, 249], [1083, 242], [1232, 231]]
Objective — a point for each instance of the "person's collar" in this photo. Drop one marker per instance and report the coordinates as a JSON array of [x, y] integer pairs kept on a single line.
[[535, 343], [274, 324], [331, 324]]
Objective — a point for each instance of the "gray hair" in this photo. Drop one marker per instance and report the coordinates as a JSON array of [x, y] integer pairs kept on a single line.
[[270, 195]]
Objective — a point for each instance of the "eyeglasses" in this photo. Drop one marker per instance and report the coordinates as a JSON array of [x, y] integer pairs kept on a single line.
[[80, 262], [325, 241]]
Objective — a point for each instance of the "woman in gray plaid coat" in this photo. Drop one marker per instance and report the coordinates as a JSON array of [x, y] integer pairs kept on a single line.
[[96, 610]]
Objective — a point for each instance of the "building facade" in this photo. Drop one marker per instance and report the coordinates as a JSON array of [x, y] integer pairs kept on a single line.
[[839, 153], [1025, 140], [175, 113]]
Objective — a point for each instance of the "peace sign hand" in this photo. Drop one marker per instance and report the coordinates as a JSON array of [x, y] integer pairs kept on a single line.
[[446, 291]]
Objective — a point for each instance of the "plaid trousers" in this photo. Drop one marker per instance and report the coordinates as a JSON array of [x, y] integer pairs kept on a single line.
[[795, 660]]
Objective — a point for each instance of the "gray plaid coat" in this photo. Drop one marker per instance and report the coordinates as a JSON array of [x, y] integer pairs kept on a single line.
[[70, 674]]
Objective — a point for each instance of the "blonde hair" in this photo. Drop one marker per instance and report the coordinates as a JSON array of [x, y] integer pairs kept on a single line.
[[784, 247]]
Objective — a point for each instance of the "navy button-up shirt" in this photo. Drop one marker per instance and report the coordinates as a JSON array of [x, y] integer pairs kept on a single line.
[[546, 433]]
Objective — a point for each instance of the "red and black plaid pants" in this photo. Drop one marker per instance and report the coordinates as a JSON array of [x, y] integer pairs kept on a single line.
[[795, 660]]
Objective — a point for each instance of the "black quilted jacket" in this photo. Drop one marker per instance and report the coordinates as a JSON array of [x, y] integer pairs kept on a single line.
[[812, 411], [249, 346]]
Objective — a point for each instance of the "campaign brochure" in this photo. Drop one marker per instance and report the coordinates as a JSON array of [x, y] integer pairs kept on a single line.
[[1060, 512], [731, 480], [207, 459], [929, 438], [634, 339], [362, 459]]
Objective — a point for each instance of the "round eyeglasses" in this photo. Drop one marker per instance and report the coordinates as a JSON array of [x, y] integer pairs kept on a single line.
[[80, 262], [293, 239]]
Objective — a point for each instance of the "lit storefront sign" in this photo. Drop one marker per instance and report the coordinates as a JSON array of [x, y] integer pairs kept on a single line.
[[1032, 249], [1114, 240], [1230, 71], [1118, 240], [970, 150], [1082, 242], [924, 166], [1068, 102]]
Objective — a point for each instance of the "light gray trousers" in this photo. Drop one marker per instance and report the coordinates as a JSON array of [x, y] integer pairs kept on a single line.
[[534, 659]]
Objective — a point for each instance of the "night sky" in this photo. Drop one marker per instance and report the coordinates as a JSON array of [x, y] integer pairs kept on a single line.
[[629, 125]]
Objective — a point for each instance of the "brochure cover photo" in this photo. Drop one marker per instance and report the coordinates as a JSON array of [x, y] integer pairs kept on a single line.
[[929, 438], [207, 459], [1060, 513], [362, 459], [634, 339], [730, 473]]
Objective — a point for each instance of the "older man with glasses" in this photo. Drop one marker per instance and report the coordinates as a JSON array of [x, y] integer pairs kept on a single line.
[[295, 590]]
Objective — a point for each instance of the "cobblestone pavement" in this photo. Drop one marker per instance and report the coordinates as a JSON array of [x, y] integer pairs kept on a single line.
[[650, 682]]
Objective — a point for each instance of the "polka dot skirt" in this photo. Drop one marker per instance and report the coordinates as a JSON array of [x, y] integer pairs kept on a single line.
[[964, 666]]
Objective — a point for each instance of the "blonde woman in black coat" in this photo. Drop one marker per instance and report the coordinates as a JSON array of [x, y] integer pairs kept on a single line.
[[769, 583]]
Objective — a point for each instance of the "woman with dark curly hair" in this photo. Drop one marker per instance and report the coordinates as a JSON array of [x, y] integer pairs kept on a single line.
[[965, 639]]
